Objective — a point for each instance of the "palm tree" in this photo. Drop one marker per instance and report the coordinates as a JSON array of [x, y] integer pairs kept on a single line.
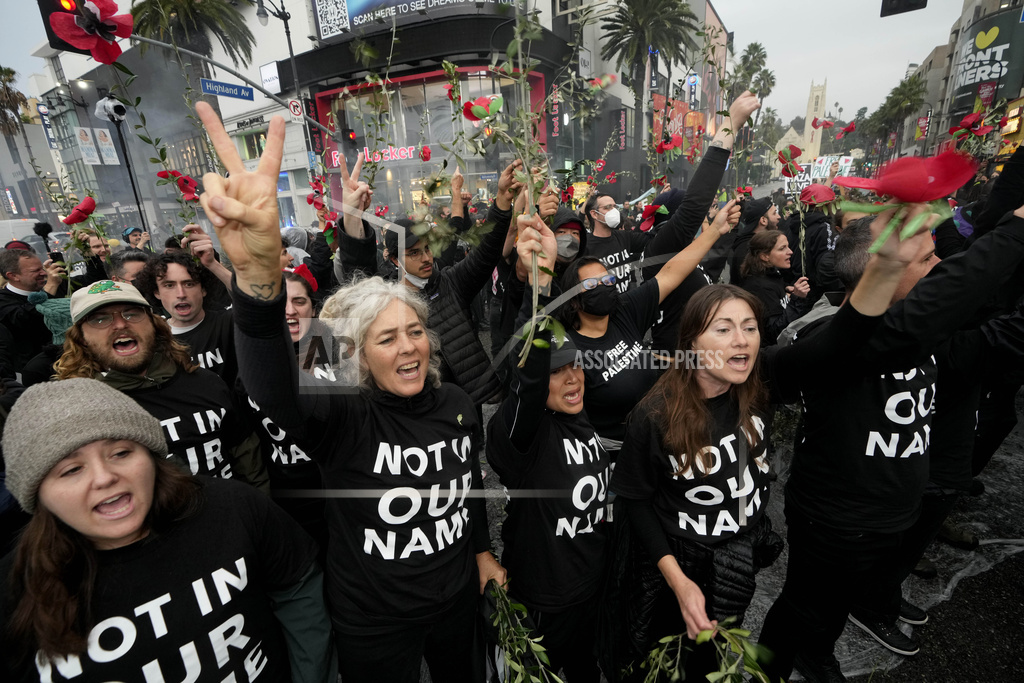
[[764, 83], [635, 29], [751, 63], [11, 102], [191, 24]]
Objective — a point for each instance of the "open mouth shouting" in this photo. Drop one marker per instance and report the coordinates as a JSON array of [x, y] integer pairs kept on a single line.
[[739, 362], [573, 398], [116, 507], [409, 371], [126, 345]]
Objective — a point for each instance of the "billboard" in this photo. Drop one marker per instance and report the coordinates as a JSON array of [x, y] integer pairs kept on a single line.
[[335, 17], [988, 63]]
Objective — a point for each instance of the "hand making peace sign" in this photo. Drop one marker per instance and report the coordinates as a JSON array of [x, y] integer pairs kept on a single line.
[[243, 207]]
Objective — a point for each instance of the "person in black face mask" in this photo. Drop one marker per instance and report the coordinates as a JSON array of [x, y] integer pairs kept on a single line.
[[608, 329]]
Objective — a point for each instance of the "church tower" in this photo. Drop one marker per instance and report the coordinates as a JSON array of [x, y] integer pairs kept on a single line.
[[816, 106]]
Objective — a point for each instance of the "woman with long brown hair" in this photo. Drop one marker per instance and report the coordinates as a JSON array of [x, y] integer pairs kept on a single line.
[[692, 477], [768, 257], [131, 568]]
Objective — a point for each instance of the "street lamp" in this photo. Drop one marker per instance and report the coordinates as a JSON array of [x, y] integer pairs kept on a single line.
[[262, 14]]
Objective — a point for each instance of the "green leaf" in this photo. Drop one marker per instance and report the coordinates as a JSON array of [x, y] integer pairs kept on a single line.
[[541, 344], [704, 636], [154, 160], [716, 676], [546, 270], [145, 139], [122, 68], [513, 48]]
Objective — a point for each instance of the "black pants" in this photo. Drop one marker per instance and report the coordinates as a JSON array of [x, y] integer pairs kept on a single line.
[[570, 640], [827, 574], [448, 645], [997, 416], [935, 507]]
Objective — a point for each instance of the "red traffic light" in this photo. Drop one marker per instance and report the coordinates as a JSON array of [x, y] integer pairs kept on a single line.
[[49, 7], [68, 5], [352, 136]]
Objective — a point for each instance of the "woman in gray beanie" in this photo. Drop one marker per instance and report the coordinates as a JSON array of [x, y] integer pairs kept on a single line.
[[131, 568]]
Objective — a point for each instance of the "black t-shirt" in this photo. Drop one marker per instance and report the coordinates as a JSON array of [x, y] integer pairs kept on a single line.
[[862, 463], [213, 345], [617, 252], [617, 367], [707, 507], [200, 418], [555, 473], [191, 603], [403, 553]]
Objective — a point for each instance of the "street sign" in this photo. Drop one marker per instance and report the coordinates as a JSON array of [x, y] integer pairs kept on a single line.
[[693, 79], [295, 109], [239, 92]]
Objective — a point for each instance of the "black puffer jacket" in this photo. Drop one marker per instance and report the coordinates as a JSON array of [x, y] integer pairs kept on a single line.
[[449, 292], [819, 237]]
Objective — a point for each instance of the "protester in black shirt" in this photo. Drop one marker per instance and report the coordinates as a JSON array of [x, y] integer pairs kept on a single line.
[[132, 569], [115, 338], [819, 237], [178, 284], [137, 239], [541, 441], [293, 474], [405, 568], [608, 328], [615, 247], [758, 215], [692, 479], [855, 484], [768, 256]]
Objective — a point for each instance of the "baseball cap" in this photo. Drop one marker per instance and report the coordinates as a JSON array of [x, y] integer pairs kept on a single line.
[[102, 293], [756, 208]]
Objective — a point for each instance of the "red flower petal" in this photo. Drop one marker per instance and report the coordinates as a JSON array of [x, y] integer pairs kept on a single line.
[[467, 111], [677, 141], [425, 153], [163, 174], [915, 179]]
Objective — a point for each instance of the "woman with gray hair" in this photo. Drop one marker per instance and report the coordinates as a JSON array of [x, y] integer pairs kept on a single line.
[[408, 552]]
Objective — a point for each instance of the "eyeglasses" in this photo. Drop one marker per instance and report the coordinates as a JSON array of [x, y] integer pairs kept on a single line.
[[129, 315], [592, 282]]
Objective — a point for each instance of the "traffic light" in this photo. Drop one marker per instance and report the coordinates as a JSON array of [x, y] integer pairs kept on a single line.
[[48, 7], [890, 7]]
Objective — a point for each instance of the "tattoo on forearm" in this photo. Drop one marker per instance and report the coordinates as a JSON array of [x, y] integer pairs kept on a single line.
[[262, 292], [545, 289], [717, 143]]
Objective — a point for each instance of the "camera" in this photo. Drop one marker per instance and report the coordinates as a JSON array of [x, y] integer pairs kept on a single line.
[[111, 109]]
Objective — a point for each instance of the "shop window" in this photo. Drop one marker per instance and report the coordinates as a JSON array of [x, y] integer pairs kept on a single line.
[[286, 210], [283, 185], [253, 144]]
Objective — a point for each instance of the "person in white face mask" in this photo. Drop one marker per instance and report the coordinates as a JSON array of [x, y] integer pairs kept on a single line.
[[617, 248]]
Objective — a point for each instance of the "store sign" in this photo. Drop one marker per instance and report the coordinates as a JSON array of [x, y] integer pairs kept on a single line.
[[988, 63], [335, 17], [555, 117], [44, 117], [622, 129], [252, 122], [271, 79], [669, 116], [388, 154]]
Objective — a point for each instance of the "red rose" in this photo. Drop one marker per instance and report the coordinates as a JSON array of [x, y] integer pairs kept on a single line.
[[81, 212], [915, 179], [425, 153], [94, 26], [599, 165]]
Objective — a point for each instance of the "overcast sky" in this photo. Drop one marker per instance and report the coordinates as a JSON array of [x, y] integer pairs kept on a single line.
[[862, 55]]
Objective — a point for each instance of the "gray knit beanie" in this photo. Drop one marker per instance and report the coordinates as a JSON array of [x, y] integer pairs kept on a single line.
[[52, 419]]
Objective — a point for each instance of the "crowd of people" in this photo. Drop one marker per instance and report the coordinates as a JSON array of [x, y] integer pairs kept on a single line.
[[264, 462]]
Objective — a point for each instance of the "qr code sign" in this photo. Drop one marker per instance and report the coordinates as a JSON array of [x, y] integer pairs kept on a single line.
[[332, 15]]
